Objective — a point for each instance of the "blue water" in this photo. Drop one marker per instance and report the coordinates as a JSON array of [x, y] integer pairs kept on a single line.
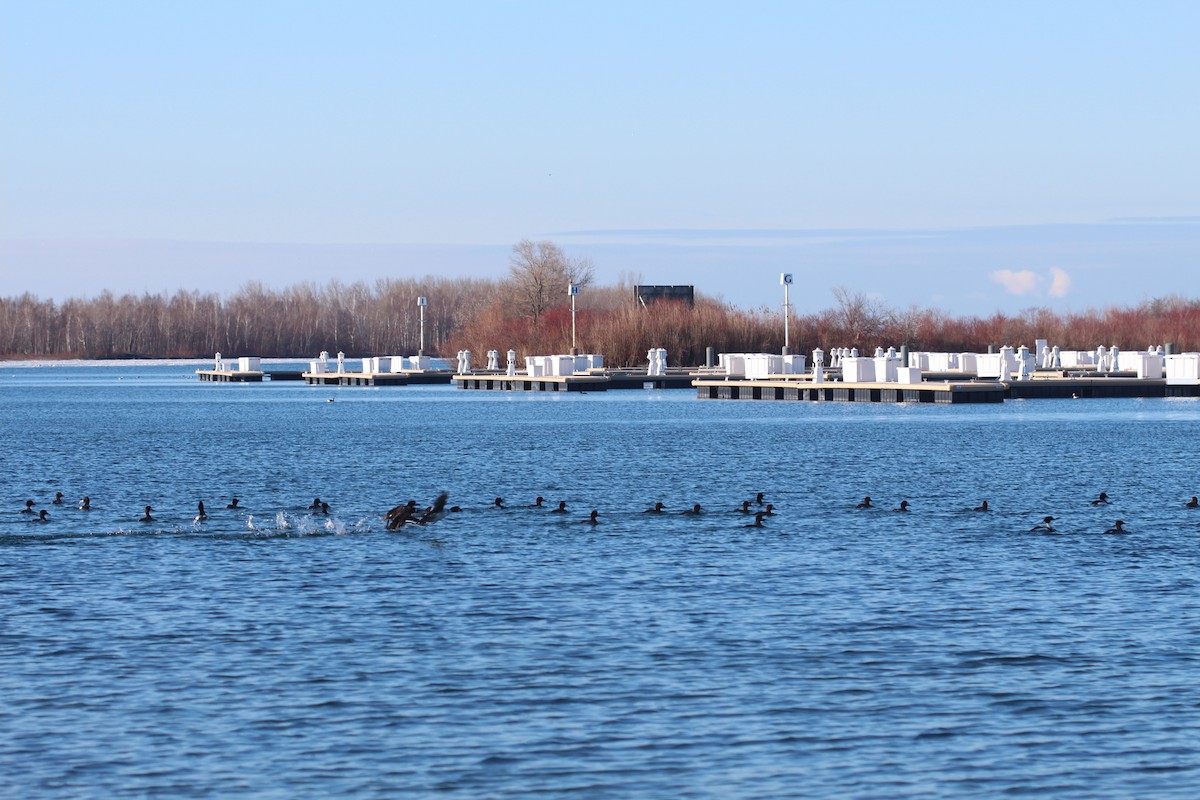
[[269, 653]]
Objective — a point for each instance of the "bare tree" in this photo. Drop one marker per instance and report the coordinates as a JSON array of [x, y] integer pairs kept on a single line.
[[580, 270], [539, 273], [862, 317]]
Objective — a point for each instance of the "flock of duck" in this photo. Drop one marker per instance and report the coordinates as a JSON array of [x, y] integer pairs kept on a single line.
[[413, 514], [1045, 526], [409, 514], [318, 506]]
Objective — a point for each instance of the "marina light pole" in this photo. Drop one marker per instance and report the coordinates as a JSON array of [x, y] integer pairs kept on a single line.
[[573, 290], [785, 278], [421, 303]]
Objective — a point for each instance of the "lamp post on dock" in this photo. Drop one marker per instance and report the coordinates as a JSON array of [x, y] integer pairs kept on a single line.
[[421, 303], [573, 290], [785, 278]]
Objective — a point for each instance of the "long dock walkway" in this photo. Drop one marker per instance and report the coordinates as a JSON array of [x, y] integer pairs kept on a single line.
[[248, 376], [836, 391], [1090, 387], [945, 391], [580, 382], [935, 388], [377, 378]]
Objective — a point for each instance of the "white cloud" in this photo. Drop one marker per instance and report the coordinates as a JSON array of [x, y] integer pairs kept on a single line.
[[1060, 282], [1017, 282]]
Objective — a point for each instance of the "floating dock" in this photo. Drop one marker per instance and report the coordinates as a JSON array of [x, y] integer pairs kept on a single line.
[[579, 382], [1096, 387], [942, 391], [832, 391], [377, 378], [248, 376], [523, 383]]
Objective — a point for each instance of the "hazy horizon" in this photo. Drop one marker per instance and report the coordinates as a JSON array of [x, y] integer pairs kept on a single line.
[[963, 272]]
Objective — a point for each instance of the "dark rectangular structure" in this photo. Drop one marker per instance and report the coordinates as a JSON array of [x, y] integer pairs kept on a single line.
[[645, 295]]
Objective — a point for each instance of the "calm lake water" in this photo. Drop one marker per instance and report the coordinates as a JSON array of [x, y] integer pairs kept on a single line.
[[836, 652]]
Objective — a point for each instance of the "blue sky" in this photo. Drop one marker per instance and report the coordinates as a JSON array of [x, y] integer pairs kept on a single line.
[[973, 156]]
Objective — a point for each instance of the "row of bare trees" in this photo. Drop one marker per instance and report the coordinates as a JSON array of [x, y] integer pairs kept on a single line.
[[529, 312], [298, 320]]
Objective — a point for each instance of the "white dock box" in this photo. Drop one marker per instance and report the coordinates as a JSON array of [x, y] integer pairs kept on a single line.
[[1149, 366], [1183, 369], [317, 367], [990, 365], [762, 365], [562, 365], [1076, 358], [908, 375], [249, 364], [795, 364], [885, 369], [858, 370]]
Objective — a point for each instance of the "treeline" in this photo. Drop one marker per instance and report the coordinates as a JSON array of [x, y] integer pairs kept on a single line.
[[300, 320], [479, 315]]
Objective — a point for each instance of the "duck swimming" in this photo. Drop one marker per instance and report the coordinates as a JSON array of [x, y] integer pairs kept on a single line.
[[903, 506], [233, 503], [58, 499], [1044, 525], [981, 507], [591, 520], [498, 503], [1102, 500], [758, 520], [146, 517], [744, 508], [28, 509], [866, 503], [758, 498], [1193, 503], [1118, 527], [659, 508], [43, 516], [693, 511], [539, 502], [200, 517], [562, 508], [85, 504], [316, 504]]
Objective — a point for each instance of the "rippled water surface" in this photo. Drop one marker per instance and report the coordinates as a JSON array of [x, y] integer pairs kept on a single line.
[[512, 652]]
